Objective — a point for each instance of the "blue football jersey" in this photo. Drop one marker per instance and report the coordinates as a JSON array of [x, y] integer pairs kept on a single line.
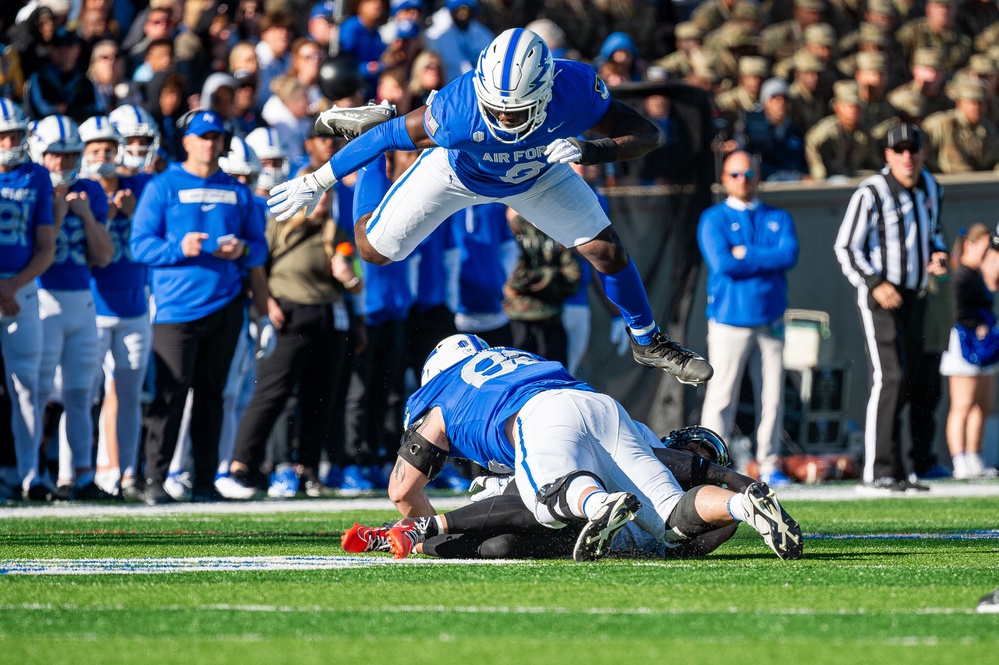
[[479, 395], [486, 166], [479, 233], [71, 271], [120, 287], [25, 204]]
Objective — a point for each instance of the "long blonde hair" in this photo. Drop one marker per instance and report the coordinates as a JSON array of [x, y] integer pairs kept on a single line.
[[974, 234]]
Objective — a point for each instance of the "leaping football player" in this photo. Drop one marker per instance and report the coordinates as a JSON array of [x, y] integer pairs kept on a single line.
[[505, 131]]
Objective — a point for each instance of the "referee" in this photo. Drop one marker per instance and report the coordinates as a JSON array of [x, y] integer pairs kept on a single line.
[[888, 244]]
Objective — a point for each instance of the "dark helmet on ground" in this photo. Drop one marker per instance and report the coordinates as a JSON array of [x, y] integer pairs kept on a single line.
[[701, 442]]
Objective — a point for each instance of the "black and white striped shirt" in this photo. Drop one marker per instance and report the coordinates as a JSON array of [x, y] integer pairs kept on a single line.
[[889, 232]]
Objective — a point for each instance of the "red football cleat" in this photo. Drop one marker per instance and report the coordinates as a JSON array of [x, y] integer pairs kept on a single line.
[[360, 538]]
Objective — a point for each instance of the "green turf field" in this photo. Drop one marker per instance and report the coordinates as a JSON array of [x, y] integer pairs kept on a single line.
[[856, 599]]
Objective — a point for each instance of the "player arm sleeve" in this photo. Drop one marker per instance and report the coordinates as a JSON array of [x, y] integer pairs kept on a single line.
[[391, 135]]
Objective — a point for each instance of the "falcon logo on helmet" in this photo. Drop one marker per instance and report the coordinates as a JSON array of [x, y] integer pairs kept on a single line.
[[449, 352], [514, 75], [241, 160], [267, 143], [141, 134], [12, 120], [99, 128], [57, 134]]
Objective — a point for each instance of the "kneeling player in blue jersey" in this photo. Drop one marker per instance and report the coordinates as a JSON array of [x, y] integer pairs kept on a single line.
[[497, 525], [505, 131], [576, 455]]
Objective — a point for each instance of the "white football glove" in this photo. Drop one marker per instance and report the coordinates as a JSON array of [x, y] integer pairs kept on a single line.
[[304, 192], [267, 339], [563, 151], [619, 337]]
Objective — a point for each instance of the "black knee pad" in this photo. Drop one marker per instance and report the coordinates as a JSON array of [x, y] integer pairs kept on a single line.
[[684, 522], [553, 496]]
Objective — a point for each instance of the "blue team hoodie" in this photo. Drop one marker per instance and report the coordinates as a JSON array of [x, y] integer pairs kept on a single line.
[[751, 291], [175, 203]]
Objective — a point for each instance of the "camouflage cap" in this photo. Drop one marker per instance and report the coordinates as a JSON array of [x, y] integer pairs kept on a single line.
[[910, 102], [810, 5], [820, 34], [871, 61], [846, 92], [753, 65], [928, 57], [688, 30], [808, 62], [982, 64], [965, 88], [881, 7], [747, 10], [872, 33]]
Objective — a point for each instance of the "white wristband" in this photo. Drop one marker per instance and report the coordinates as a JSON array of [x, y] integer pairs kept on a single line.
[[324, 176]]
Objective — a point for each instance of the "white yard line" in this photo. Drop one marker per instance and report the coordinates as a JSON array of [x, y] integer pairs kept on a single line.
[[824, 492]]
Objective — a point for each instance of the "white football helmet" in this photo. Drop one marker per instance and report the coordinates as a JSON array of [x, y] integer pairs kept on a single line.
[[266, 142], [57, 134], [99, 128], [12, 120], [449, 352], [133, 121], [515, 74], [241, 160]]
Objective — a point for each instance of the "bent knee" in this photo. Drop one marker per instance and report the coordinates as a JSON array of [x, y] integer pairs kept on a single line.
[[365, 250]]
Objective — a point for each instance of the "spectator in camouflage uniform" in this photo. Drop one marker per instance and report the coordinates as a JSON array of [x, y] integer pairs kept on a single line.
[[677, 64], [872, 83], [781, 40], [745, 96], [910, 107], [710, 14], [808, 105], [982, 67], [820, 41], [874, 38], [928, 78], [936, 30], [962, 140], [838, 145], [747, 18]]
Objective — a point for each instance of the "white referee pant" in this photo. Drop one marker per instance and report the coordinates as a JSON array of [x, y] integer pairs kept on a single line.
[[731, 349], [561, 431], [21, 344], [559, 203]]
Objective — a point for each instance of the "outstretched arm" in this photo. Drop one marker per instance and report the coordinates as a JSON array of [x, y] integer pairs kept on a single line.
[[628, 135], [407, 483]]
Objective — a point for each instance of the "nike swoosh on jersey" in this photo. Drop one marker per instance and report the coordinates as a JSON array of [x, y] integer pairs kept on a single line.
[[210, 206], [555, 127]]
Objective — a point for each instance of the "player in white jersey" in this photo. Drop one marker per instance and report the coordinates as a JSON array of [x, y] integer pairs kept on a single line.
[[124, 331], [66, 304], [576, 455], [505, 132], [27, 247]]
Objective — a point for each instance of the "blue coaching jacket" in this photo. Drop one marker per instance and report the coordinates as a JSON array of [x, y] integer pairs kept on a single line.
[[751, 291]]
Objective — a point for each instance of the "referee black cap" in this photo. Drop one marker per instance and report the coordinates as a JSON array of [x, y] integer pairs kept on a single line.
[[905, 135]]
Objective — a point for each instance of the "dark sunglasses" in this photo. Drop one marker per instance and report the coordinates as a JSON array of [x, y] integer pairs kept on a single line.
[[735, 175], [899, 149]]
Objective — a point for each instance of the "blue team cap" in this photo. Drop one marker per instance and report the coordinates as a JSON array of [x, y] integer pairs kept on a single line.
[[454, 4], [322, 9], [204, 122], [407, 29], [399, 5]]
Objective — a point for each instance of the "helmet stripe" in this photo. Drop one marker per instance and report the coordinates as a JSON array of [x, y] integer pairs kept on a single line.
[[62, 129], [511, 52], [4, 110]]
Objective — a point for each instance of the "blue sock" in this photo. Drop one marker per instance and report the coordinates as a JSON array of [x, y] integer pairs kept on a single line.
[[372, 183], [625, 289]]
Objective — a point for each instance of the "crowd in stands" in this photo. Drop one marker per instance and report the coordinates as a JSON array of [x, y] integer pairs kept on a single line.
[[812, 87]]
